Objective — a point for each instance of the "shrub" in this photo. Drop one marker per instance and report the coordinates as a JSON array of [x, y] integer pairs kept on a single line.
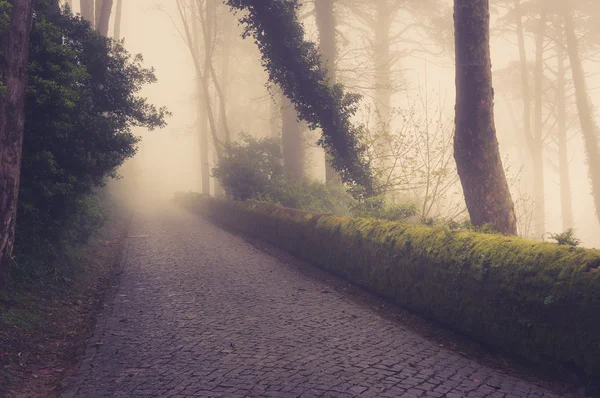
[[252, 169], [566, 238], [82, 102]]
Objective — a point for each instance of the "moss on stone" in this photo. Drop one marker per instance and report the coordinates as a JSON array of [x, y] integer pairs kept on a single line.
[[537, 300]]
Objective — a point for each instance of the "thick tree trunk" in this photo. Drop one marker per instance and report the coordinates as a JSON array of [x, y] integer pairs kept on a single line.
[[475, 144], [538, 139], [87, 11], [14, 54], [118, 18], [563, 161], [588, 125], [326, 25], [292, 142], [103, 16], [97, 11]]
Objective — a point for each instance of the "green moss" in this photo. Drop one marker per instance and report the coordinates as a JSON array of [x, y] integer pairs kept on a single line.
[[538, 300]]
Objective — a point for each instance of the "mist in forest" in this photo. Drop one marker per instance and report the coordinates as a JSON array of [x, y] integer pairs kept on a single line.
[[400, 57]]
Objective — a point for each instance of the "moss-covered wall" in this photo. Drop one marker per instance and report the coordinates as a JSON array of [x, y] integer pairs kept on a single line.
[[537, 300]]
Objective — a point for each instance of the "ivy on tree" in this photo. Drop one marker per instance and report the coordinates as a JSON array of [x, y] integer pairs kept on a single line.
[[295, 65]]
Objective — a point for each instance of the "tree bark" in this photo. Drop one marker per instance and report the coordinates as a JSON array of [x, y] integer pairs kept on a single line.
[[14, 55], [538, 139], [292, 142], [202, 122], [588, 125], [275, 116], [87, 11], [326, 25], [103, 19], [383, 62], [563, 161], [476, 148], [118, 18]]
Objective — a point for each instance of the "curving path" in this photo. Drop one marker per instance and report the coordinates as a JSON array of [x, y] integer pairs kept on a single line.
[[198, 312]]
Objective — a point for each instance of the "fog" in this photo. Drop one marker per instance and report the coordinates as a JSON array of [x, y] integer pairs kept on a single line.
[[422, 73]]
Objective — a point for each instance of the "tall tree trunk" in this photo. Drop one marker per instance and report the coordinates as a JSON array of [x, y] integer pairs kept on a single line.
[[222, 85], [209, 24], [202, 71], [203, 140], [475, 144], [383, 62], [202, 122], [525, 89], [118, 18], [87, 11], [103, 19], [292, 141], [326, 25], [97, 11], [588, 125], [563, 161], [538, 139], [14, 55], [275, 116]]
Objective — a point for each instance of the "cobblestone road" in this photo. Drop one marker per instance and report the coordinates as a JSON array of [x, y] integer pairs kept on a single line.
[[199, 312]]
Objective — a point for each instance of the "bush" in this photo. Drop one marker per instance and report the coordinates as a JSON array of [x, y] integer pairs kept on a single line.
[[566, 238], [253, 170], [82, 102], [537, 300], [377, 207]]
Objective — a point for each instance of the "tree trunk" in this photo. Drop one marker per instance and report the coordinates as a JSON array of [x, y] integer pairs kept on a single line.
[[475, 144], [588, 125], [383, 62], [202, 122], [275, 116], [87, 11], [538, 139], [203, 140], [326, 25], [103, 20], [222, 85], [14, 54], [118, 18], [97, 11], [563, 161], [192, 36], [292, 142]]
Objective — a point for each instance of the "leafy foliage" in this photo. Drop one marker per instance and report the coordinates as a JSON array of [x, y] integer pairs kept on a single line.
[[82, 102], [295, 65], [252, 169], [376, 207], [566, 238]]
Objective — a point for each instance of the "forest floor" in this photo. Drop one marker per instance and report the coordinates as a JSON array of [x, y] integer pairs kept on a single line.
[[198, 311], [44, 328]]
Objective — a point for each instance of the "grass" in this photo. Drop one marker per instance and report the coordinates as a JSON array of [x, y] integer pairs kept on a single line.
[[44, 325]]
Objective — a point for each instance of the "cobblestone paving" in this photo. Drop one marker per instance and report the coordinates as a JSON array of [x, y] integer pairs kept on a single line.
[[198, 312]]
